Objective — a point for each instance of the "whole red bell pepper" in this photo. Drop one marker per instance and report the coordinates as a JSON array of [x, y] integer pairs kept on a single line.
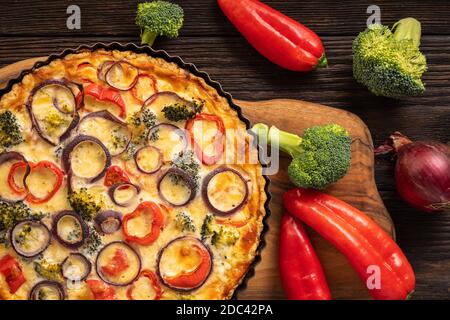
[[301, 273], [377, 259], [279, 38]]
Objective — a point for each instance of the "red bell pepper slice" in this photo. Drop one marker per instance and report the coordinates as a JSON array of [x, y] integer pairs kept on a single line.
[[193, 278], [279, 38], [107, 94], [59, 174], [114, 175], [155, 214], [117, 264], [218, 140], [300, 270], [12, 182], [135, 90], [12, 272], [153, 280], [101, 290]]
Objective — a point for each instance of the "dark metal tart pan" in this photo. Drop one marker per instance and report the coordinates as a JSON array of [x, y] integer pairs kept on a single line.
[[192, 69]]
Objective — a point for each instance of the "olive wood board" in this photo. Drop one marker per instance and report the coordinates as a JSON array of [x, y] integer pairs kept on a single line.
[[357, 188]]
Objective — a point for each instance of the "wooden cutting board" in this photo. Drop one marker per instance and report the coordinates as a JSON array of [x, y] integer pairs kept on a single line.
[[357, 187]]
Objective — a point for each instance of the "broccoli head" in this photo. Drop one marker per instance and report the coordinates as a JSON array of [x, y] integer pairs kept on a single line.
[[159, 18], [10, 134], [389, 62], [321, 157], [179, 112], [85, 204]]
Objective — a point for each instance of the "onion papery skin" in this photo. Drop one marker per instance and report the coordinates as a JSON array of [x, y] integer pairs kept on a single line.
[[422, 175]]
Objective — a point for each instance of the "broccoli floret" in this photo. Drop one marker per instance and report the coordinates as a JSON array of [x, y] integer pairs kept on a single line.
[[178, 112], [11, 213], [389, 62], [321, 157], [207, 227], [184, 222], [10, 134], [159, 18], [93, 242], [186, 162], [220, 235], [49, 271], [226, 236], [53, 121], [84, 204]]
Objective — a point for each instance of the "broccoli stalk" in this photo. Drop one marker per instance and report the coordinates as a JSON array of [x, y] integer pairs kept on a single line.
[[159, 18], [389, 62], [321, 157]]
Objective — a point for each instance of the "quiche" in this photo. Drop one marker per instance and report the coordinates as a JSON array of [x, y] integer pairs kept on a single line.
[[124, 176]]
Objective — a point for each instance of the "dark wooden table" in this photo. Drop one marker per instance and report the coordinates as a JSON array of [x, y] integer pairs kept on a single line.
[[36, 28]]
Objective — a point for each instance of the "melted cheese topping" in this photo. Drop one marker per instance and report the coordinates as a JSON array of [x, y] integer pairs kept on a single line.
[[87, 159], [226, 190], [230, 263]]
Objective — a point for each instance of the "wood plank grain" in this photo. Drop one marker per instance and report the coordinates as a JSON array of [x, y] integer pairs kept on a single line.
[[116, 18], [248, 76], [357, 187]]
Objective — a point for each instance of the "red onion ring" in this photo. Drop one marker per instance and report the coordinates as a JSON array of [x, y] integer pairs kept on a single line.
[[114, 188], [112, 83], [75, 119], [190, 183], [66, 161], [140, 167], [103, 68], [66, 264], [161, 252], [105, 114], [179, 131], [83, 226], [105, 279], [36, 224], [205, 186], [108, 222], [34, 293]]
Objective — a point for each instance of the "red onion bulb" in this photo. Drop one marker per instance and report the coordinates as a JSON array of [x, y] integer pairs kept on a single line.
[[422, 172]]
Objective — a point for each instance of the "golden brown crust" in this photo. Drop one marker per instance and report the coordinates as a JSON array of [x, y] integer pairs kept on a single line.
[[222, 283]]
